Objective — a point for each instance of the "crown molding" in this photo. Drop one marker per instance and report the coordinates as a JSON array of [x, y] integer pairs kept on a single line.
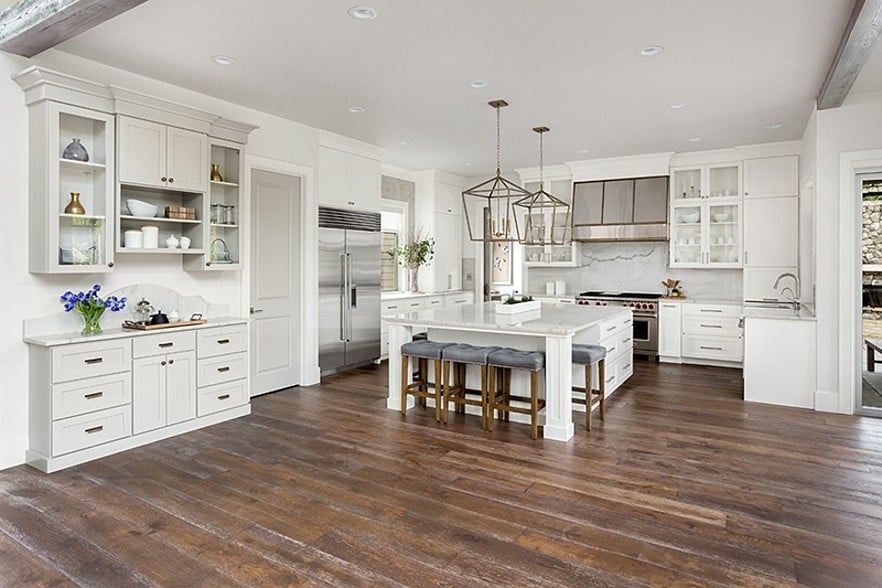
[[349, 145], [632, 166]]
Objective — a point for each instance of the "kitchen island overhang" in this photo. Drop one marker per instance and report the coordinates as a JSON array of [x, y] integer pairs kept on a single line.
[[552, 329]]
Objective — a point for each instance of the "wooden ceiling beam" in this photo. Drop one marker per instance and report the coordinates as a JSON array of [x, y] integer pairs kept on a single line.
[[854, 50], [29, 27]]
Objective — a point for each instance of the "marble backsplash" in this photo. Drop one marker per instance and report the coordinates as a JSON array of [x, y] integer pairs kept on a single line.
[[638, 266]]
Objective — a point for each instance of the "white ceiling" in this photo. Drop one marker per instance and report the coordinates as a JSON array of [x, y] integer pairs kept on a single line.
[[572, 65]]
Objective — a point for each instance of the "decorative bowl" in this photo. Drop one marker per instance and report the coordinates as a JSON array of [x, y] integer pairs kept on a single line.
[[141, 208], [691, 217], [721, 217]]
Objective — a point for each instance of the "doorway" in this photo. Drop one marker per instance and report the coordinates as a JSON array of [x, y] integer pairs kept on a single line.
[[869, 400], [275, 278]]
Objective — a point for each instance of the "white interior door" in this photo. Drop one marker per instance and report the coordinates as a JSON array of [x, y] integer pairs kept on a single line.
[[275, 281]]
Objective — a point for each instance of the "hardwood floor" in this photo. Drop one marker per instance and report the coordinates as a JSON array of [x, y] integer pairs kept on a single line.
[[683, 484]]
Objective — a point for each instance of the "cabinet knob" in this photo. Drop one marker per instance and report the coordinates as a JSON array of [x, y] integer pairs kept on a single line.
[[109, 264], [163, 179], [207, 264], [171, 361], [162, 362], [351, 202], [171, 180]]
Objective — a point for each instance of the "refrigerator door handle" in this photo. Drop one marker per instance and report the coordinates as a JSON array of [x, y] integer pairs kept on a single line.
[[349, 289], [342, 296]]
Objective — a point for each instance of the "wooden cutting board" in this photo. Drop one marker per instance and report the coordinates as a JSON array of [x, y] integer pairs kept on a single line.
[[143, 327]]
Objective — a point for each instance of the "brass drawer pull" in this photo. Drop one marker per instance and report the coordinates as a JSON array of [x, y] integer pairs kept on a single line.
[[93, 361], [164, 345], [94, 395], [223, 341], [223, 397], [97, 429], [226, 368]]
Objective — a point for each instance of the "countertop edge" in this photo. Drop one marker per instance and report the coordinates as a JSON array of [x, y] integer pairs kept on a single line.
[[56, 339]]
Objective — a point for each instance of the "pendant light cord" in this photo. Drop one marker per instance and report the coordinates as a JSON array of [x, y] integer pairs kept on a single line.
[[541, 160], [497, 141]]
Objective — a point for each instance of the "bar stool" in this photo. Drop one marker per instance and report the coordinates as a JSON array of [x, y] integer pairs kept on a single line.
[[505, 360], [456, 358], [422, 351], [588, 355]]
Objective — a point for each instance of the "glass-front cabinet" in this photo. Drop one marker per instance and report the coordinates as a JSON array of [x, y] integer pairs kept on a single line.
[[706, 234], [559, 227], [707, 182], [71, 199]]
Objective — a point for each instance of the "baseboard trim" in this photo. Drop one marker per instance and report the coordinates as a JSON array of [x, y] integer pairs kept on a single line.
[[12, 452], [826, 401]]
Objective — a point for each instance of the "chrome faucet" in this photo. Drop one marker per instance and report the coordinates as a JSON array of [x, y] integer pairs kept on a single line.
[[794, 297]]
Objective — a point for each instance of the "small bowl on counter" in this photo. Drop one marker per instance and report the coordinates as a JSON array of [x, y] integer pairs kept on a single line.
[[141, 208]]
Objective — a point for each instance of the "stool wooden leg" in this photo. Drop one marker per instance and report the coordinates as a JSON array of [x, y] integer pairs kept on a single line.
[[438, 390], [405, 366], [589, 396], [601, 370], [461, 386], [490, 402], [506, 415], [445, 389], [534, 405]]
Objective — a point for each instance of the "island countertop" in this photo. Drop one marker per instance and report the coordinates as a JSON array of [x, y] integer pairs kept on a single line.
[[551, 319]]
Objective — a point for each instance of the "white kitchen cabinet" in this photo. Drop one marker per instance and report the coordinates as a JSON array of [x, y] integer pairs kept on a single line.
[[447, 264], [669, 330], [448, 199], [62, 242], [159, 156], [392, 306], [163, 390], [347, 180], [222, 369], [705, 182], [771, 232], [713, 332], [567, 254], [706, 233], [778, 366], [771, 177]]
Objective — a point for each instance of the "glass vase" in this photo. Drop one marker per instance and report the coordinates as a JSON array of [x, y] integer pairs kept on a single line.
[[92, 322], [75, 151], [414, 279]]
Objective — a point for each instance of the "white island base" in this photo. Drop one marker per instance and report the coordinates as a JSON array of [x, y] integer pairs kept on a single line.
[[552, 329]]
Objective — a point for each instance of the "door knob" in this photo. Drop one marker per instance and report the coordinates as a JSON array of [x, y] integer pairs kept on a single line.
[[253, 310]]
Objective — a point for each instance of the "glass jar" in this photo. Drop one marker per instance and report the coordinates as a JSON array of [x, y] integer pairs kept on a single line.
[[217, 214], [230, 215]]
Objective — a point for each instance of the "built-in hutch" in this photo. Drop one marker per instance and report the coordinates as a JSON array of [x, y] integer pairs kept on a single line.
[[139, 148]]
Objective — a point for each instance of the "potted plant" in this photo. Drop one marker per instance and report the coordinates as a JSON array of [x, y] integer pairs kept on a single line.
[[516, 304], [414, 254]]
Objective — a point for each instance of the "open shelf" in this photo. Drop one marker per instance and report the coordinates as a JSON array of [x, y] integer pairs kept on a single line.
[[159, 219], [98, 217], [226, 184], [84, 166], [222, 225], [160, 251]]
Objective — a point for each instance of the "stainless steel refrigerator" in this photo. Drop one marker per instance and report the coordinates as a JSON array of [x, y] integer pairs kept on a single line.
[[349, 289]]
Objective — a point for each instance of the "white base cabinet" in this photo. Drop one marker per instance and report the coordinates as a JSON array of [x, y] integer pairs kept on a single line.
[[779, 361], [112, 393], [669, 329], [414, 303], [699, 333]]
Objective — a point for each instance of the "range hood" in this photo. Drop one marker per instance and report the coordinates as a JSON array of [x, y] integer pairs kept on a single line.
[[629, 209]]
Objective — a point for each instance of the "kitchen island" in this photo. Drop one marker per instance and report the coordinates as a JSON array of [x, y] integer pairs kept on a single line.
[[552, 329]]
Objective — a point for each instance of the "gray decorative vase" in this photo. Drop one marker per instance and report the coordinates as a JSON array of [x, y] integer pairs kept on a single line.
[[75, 151]]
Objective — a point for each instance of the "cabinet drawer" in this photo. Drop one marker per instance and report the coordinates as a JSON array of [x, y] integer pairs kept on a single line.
[[394, 306], [213, 399], [91, 429], [221, 341], [163, 343], [222, 369], [625, 369], [85, 396], [625, 340], [718, 348], [86, 360], [409, 305], [433, 302], [712, 310], [460, 299], [712, 325]]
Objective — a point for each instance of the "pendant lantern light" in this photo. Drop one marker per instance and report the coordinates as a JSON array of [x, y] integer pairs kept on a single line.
[[498, 195], [546, 217]]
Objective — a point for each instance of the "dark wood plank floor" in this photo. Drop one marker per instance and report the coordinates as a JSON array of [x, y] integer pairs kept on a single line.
[[683, 484]]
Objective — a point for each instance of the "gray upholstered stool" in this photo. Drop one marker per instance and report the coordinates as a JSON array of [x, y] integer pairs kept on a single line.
[[455, 358], [588, 355], [422, 351], [504, 361]]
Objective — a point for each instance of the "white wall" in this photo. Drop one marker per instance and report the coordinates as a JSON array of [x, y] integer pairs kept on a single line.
[[29, 296], [856, 125]]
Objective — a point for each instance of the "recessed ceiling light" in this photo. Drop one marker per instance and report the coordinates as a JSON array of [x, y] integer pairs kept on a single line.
[[774, 126], [404, 143], [651, 50], [584, 151], [677, 106], [363, 12], [694, 139], [479, 83], [357, 109], [468, 165], [223, 59]]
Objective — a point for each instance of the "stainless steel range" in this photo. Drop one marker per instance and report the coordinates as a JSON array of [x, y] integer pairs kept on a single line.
[[645, 307]]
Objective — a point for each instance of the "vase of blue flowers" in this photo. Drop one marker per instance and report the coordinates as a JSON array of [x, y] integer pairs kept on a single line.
[[91, 306]]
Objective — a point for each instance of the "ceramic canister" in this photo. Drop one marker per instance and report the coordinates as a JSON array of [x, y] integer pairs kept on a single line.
[[151, 236], [134, 240]]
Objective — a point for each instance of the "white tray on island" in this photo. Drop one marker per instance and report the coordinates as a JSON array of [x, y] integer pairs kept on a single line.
[[503, 308]]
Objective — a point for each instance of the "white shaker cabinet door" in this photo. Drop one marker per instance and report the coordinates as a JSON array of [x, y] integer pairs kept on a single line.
[[188, 167], [333, 178], [669, 329], [180, 387], [771, 177], [142, 152], [365, 175], [148, 394], [771, 232]]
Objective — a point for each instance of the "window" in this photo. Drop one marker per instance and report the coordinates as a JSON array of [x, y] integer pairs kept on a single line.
[[393, 223], [388, 264]]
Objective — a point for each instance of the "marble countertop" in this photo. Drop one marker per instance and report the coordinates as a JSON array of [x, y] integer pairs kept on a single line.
[[699, 300], [785, 314], [54, 339], [551, 319], [400, 295]]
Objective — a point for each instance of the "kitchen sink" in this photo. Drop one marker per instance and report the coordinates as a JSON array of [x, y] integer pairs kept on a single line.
[[773, 304]]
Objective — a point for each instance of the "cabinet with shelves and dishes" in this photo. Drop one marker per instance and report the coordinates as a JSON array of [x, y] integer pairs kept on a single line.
[[567, 253], [706, 216], [71, 189]]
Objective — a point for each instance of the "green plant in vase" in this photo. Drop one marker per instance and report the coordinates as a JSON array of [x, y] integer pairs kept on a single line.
[[91, 307], [513, 300], [413, 255]]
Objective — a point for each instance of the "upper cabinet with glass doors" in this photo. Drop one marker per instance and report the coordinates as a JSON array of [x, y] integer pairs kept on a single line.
[[558, 229], [706, 219]]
